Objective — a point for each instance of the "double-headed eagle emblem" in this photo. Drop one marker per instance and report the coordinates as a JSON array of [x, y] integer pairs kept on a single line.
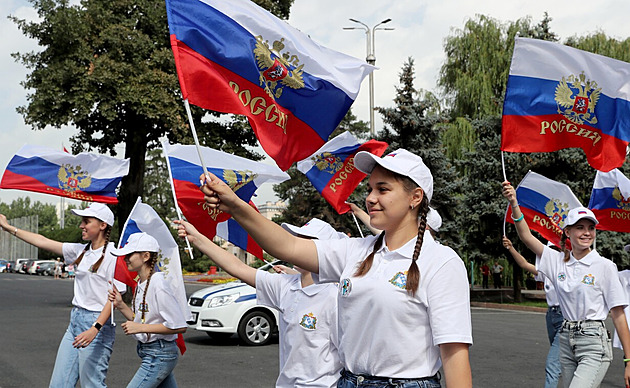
[[327, 162], [557, 211], [622, 203], [576, 98], [238, 179], [73, 178], [277, 69]]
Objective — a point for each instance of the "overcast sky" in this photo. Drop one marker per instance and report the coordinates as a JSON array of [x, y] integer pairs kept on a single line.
[[420, 29]]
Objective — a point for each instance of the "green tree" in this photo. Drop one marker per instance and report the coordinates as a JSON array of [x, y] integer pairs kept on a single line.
[[413, 124], [106, 67]]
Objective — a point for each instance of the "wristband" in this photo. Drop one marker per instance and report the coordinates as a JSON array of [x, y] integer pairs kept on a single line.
[[15, 232], [515, 206], [518, 219], [626, 360]]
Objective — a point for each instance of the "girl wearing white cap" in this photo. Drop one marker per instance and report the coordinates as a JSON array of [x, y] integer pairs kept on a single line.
[[308, 312], [588, 287], [87, 344], [155, 317], [404, 307]]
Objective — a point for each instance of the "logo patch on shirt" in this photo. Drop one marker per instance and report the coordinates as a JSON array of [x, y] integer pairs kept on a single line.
[[345, 287], [562, 276], [589, 280], [309, 321], [399, 280]]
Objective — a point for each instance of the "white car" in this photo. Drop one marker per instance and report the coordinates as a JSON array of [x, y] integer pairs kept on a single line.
[[32, 270], [230, 308]]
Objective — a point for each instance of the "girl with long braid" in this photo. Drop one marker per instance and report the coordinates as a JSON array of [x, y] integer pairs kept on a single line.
[[404, 307], [155, 317], [588, 288], [87, 344]]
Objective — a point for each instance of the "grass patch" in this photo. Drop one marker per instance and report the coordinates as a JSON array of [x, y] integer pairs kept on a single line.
[[532, 303]]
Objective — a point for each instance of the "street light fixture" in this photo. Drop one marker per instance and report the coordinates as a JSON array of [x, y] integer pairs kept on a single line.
[[371, 58]]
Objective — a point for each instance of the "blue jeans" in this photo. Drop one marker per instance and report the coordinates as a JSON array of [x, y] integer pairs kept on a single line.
[[552, 366], [350, 380], [88, 364], [158, 361], [585, 353]]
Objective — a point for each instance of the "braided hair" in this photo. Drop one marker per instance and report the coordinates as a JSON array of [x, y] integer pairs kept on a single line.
[[97, 265], [153, 258], [413, 274]]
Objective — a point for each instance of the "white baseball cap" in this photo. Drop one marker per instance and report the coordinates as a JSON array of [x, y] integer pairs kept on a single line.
[[316, 229], [401, 162], [577, 214], [137, 242], [98, 211], [434, 220]]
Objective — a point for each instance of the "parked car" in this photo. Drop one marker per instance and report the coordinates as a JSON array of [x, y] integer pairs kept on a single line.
[[22, 265], [231, 308], [3, 265], [46, 268], [32, 270]]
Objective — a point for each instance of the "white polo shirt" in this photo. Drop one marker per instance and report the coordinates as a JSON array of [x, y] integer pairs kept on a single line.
[[587, 288], [550, 290], [308, 329], [161, 307], [91, 289], [624, 278], [383, 331]]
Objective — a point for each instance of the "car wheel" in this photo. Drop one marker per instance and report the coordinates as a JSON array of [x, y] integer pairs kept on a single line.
[[255, 328]]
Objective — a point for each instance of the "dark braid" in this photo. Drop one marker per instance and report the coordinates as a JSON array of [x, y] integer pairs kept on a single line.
[[78, 260], [366, 264], [153, 258], [413, 273], [97, 265], [563, 246]]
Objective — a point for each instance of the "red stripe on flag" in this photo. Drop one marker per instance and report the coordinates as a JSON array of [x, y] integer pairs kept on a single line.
[[283, 136], [10, 180], [554, 132], [616, 220]]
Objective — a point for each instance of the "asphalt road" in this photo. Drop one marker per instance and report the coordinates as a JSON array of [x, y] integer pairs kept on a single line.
[[510, 346]]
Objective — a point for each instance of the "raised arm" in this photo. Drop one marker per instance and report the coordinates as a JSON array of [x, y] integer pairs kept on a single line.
[[269, 235], [522, 229], [230, 263], [518, 258], [38, 240], [363, 217]]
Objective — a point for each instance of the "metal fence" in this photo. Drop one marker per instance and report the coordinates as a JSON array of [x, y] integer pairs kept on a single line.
[[11, 247]]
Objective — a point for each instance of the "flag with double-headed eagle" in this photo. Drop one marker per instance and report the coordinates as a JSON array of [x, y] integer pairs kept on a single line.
[[244, 176], [560, 97], [144, 219], [545, 204], [331, 168], [235, 57], [610, 201], [85, 177]]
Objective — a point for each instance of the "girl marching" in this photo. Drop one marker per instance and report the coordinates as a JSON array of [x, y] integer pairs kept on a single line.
[[587, 287], [87, 344], [404, 307], [154, 319]]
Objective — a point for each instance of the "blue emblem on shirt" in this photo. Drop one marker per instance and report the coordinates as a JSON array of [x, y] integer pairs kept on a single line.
[[309, 321], [562, 276], [589, 280], [345, 287], [399, 280]]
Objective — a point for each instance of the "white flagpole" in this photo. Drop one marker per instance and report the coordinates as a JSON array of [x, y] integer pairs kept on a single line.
[[504, 179], [357, 222], [177, 209], [194, 133]]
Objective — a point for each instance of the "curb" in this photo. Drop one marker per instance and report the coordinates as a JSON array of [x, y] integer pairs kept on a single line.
[[505, 306]]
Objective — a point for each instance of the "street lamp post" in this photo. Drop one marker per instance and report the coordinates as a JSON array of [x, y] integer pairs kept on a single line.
[[371, 58]]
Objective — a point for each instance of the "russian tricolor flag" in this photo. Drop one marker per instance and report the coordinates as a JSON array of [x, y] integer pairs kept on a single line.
[[560, 97], [242, 175], [610, 201], [85, 177], [235, 57], [545, 204], [331, 168]]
